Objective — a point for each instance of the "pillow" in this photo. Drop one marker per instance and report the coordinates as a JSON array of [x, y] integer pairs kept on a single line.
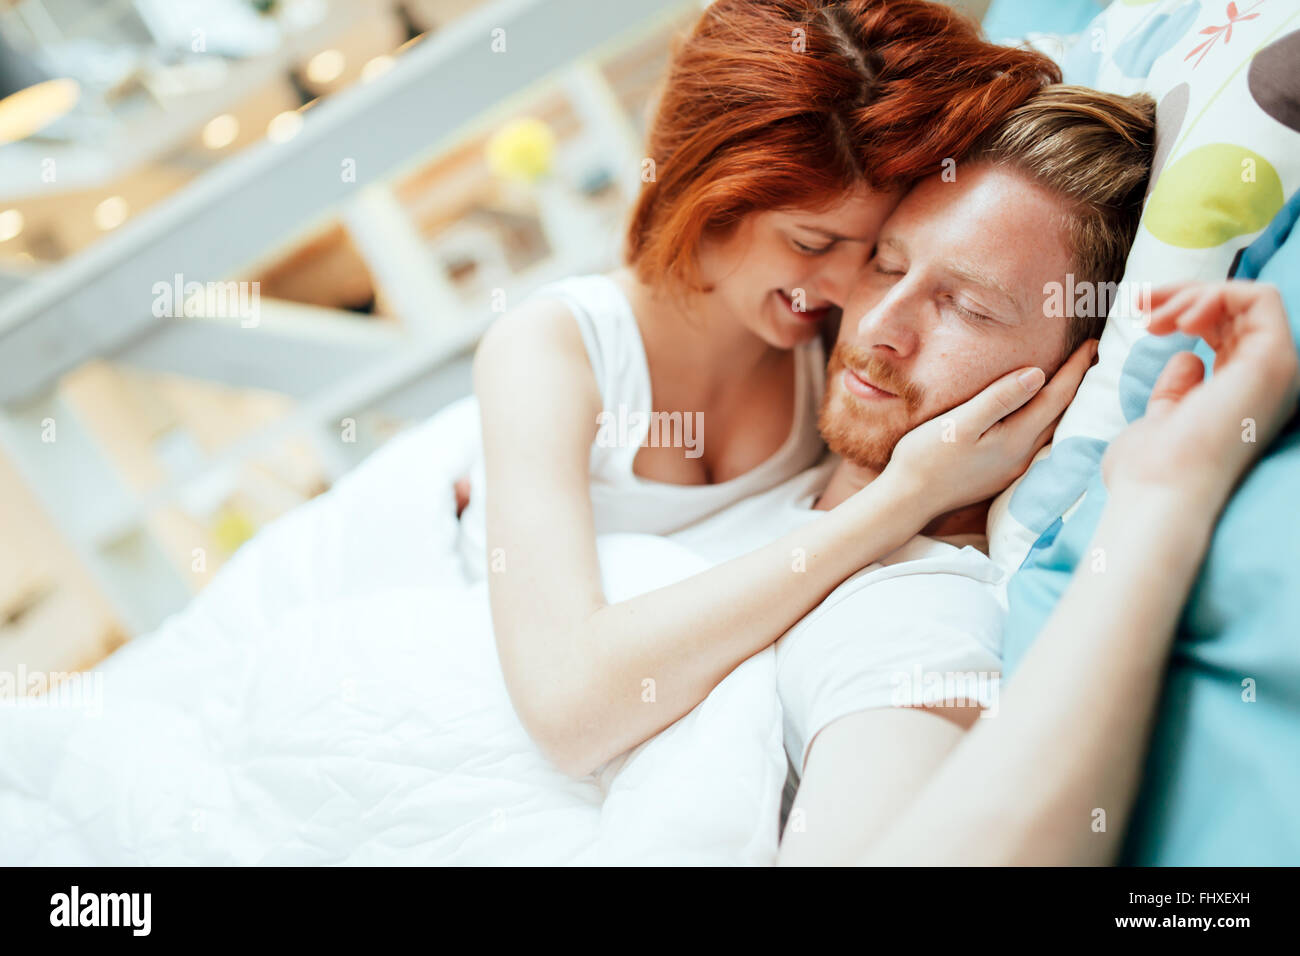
[[1219, 781], [1013, 18], [1227, 156]]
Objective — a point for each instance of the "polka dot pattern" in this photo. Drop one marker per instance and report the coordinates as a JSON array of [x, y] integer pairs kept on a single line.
[[1213, 194], [1274, 80], [1227, 158]]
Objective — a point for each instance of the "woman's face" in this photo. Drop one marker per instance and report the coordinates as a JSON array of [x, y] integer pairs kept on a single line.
[[781, 272]]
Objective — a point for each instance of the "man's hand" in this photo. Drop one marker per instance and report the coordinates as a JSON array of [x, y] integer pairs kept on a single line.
[[977, 449], [1199, 436]]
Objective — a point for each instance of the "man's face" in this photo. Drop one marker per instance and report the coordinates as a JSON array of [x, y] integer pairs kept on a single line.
[[951, 301]]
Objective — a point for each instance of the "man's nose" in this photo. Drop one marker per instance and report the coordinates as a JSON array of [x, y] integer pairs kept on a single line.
[[890, 323]]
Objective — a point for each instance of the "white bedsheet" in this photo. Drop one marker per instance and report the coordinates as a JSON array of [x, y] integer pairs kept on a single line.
[[334, 697]]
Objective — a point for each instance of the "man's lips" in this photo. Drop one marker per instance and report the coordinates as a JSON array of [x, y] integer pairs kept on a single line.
[[807, 315], [859, 386]]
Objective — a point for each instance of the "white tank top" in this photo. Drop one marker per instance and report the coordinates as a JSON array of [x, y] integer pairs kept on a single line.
[[621, 500]]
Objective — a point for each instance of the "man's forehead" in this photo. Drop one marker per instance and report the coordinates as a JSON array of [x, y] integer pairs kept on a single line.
[[991, 222]]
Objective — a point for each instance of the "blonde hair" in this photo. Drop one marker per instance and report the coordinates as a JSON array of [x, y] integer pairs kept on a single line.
[[1095, 149]]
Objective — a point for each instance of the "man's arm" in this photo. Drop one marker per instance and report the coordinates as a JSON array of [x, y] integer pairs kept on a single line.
[[862, 772], [878, 687]]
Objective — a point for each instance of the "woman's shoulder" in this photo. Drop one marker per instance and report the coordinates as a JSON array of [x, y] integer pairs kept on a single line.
[[553, 316], [583, 324], [540, 335]]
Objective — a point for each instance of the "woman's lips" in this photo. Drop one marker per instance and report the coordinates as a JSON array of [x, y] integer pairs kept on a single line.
[[862, 388], [808, 315]]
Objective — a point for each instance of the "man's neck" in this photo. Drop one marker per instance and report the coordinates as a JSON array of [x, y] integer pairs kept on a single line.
[[848, 479]]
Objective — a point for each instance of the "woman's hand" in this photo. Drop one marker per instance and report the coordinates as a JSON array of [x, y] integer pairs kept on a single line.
[[1199, 436], [977, 449]]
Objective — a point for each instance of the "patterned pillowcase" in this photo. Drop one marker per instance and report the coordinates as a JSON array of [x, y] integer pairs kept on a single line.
[[1226, 78]]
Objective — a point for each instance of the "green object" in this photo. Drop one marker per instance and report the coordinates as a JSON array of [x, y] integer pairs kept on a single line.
[[1212, 194]]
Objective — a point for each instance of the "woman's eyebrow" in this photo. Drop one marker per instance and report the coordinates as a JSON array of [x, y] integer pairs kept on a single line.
[[829, 234]]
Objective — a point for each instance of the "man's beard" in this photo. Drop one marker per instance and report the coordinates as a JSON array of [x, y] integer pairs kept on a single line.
[[858, 433]]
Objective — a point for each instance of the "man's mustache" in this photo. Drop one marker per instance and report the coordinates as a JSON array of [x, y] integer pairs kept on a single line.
[[877, 371]]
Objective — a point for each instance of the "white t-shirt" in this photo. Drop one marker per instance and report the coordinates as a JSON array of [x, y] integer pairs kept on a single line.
[[922, 625], [621, 500]]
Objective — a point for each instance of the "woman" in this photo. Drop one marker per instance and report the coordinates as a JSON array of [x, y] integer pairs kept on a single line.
[[786, 133]]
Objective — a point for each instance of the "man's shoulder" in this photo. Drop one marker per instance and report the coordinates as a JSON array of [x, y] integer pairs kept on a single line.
[[925, 580]]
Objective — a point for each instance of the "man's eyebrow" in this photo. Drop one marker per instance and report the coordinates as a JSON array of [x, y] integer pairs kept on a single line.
[[984, 281], [966, 274]]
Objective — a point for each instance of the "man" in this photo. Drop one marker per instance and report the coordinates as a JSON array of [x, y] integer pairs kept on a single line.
[[881, 681]]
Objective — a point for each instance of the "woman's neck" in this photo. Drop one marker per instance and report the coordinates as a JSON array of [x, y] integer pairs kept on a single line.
[[705, 343]]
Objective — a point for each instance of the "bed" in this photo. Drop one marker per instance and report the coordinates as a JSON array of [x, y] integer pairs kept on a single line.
[[322, 702], [333, 697]]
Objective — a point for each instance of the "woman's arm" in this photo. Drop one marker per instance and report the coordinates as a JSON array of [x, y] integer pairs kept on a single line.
[[574, 664], [1025, 787]]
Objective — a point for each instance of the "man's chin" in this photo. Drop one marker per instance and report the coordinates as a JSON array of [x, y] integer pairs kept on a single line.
[[857, 436]]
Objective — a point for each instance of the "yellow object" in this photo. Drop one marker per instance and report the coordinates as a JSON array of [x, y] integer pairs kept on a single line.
[[1215, 193], [31, 110], [522, 150], [232, 528]]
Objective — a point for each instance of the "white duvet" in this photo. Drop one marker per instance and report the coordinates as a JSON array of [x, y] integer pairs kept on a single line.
[[334, 697]]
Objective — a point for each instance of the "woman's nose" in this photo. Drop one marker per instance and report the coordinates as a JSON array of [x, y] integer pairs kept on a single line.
[[838, 271]]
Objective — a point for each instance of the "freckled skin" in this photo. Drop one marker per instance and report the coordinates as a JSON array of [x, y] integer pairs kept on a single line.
[[928, 326]]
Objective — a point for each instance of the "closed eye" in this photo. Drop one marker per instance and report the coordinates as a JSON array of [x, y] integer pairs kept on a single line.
[[886, 272], [811, 250], [970, 313]]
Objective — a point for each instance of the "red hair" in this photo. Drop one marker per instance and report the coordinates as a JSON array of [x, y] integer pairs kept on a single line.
[[776, 104]]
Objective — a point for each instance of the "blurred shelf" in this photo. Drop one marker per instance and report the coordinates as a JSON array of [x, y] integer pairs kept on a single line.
[[180, 435]]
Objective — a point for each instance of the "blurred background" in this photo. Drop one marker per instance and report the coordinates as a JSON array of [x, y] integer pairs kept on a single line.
[[245, 242]]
